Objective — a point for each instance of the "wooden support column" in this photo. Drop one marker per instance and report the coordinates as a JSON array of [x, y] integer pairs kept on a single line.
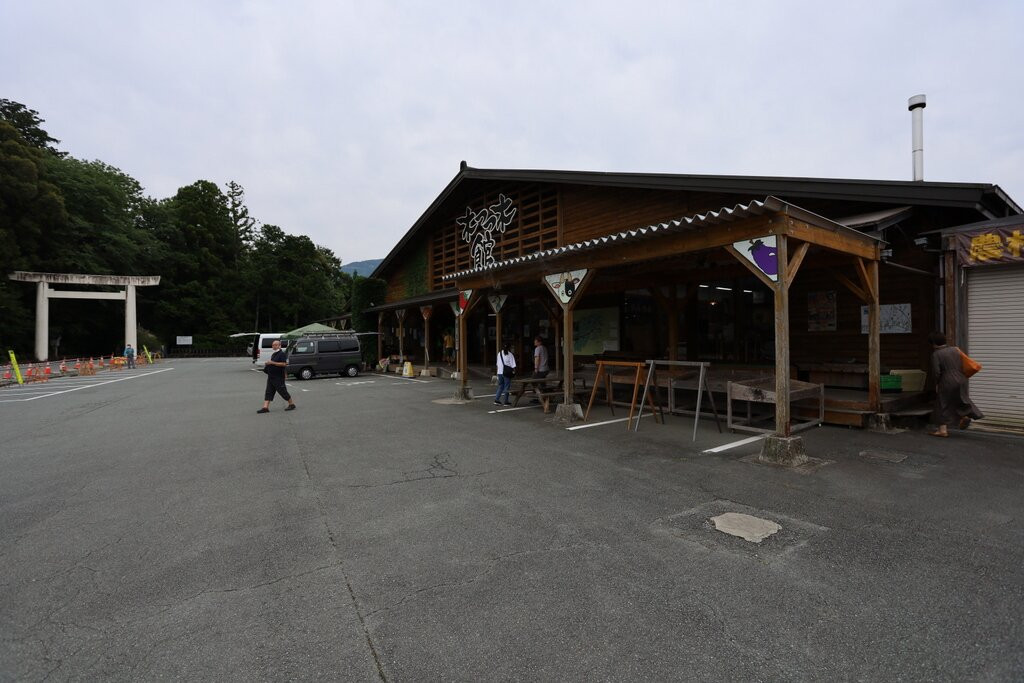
[[949, 297], [467, 300], [497, 304], [783, 426], [427, 312], [380, 335], [874, 339], [556, 284], [400, 315]]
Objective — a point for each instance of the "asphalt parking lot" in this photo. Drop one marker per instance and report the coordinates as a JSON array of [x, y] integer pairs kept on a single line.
[[157, 527]]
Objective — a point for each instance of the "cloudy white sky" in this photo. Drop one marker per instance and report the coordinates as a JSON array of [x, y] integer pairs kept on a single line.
[[344, 120]]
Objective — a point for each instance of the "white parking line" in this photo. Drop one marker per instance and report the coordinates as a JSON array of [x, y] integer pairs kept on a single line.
[[407, 379], [509, 410], [353, 384], [84, 386], [606, 422], [734, 444]]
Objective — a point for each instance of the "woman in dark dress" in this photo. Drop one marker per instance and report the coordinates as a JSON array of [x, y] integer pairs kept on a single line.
[[953, 405]]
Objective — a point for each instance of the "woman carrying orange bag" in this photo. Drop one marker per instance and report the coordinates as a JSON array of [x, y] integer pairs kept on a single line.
[[953, 404]]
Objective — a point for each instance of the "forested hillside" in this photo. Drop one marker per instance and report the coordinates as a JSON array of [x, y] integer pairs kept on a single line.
[[221, 270]]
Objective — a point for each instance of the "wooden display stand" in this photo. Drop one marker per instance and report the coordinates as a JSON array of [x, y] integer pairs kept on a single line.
[[603, 373], [763, 391]]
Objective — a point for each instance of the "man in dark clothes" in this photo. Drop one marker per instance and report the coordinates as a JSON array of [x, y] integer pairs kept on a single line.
[[953, 405], [275, 369]]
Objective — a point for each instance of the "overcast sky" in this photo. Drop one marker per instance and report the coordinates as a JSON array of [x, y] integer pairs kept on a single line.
[[343, 121]]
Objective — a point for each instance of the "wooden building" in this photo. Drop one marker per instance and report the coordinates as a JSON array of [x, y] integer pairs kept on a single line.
[[664, 266]]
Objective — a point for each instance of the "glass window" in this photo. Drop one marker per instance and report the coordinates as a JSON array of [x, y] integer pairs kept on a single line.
[[329, 346], [303, 347], [267, 343], [350, 344]]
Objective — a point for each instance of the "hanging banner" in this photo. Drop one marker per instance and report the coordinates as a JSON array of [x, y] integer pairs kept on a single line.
[[427, 311], [455, 307], [993, 246], [761, 252], [496, 301], [564, 284]]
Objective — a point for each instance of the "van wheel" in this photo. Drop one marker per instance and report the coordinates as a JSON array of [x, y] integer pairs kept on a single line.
[[306, 373], [352, 371]]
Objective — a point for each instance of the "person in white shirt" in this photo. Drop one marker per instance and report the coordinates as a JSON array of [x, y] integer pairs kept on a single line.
[[506, 371]]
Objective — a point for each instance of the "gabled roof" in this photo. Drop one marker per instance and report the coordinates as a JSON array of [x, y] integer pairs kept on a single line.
[[987, 199]]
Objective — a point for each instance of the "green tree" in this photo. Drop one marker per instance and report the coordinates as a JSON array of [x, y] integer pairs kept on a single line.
[[30, 206], [27, 122]]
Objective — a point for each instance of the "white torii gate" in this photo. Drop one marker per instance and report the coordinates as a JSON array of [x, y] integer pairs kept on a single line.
[[44, 294]]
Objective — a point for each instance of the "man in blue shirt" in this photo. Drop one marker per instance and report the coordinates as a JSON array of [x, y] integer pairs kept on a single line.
[[129, 356], [275, 369]]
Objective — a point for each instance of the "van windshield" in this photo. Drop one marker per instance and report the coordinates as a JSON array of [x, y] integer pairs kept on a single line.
[[303, 347]]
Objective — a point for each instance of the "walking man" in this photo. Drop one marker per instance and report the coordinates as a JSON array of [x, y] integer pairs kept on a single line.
[[129, 356], [275, 369]]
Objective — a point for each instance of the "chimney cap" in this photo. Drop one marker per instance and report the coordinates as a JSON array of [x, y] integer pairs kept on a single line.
[[915, 102]]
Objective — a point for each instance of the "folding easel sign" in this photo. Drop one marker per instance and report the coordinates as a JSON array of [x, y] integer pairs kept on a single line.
[[564, 284], [761, 251]]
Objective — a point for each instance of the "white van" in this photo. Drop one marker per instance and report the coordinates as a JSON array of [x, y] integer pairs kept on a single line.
[[261, 350]]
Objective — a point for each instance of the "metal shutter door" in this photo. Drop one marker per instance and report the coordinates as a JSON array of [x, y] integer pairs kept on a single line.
[[995, 338]]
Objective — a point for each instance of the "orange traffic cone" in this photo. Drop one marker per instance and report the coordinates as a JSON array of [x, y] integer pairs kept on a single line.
[[46, 373], [7, 373]]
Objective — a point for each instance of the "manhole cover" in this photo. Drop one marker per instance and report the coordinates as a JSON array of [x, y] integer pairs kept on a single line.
[[884, 456]]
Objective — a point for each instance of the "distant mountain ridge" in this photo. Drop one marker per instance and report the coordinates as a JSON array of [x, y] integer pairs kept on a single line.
[[364, 268]]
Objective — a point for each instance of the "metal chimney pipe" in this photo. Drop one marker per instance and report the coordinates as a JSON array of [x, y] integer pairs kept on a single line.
[[916, 105]]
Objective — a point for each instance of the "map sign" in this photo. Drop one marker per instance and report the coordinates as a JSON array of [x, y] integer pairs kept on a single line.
[[893, 319]]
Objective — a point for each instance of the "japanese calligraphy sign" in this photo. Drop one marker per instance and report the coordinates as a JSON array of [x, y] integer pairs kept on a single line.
[[479, 229], [761, 252], [991, 247]]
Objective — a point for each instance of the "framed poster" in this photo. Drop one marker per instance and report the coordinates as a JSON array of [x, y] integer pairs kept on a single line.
[[821, 311]]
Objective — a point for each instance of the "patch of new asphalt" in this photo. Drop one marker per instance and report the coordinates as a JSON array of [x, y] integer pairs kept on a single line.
[[160, 528]]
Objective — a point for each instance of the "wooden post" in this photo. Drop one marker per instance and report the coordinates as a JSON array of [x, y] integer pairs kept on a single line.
[[426, 311], [468, 298], [949, 297], [567, 338], [567, 379], [463, 357], [874, 340], [400, 314], [380, 335], [782, 416]]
